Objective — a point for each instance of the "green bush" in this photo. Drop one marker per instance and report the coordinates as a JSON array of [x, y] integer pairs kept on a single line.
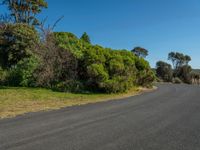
[[184, 73], [70, 42], [22, 73], [145, 78], [17, 42], [164, 71], [70, 64], [141, 64], [117, 85], [116, 65], [97, 72], [145, 75]]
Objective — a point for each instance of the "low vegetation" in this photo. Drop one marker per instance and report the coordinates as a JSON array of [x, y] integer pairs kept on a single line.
[[18, 100]]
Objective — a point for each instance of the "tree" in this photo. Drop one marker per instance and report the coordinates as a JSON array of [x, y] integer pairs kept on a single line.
[[164, 71], [140, 52], [178, 59], [85, 37], [25, 11], [16, 42], [187, 59], [172, 57]]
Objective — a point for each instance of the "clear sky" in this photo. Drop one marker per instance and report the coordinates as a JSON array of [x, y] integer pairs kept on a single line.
[[160, 26]]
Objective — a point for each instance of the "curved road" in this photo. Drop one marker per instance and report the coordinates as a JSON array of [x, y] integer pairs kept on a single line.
[[166, 119]]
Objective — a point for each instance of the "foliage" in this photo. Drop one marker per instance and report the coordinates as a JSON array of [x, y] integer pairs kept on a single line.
[[118, 84], [184, 73], [141, 64], [25, 11], [103, 67], [164, 71], [22, 73], [140, 52], [96, 72], [16, 43], [178, 59], [69, 64], [69, 41], [145, 77], [57, 64], [85, 37]]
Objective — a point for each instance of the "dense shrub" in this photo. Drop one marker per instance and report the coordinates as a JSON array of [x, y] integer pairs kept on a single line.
[[103, 69], [117, 84], [62, 61], [184, 73], [70, 42], [145, 78], [164, 71], [57, 64], [69, 64], [145, 75], [22, 73], [16, 43]]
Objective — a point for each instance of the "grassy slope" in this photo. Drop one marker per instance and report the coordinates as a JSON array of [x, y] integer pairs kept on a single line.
[[16, 101]]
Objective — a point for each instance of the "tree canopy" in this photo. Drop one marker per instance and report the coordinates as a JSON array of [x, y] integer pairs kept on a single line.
[[140, 52], [85, 37], [164, 71], [178, 59], [25, 11], [16, 42]]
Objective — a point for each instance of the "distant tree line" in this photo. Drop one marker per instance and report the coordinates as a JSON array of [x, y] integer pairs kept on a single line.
[[34, 56], [181, 71]]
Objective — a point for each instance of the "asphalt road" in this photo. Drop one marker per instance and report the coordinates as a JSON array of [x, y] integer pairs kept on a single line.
[[166, 119]]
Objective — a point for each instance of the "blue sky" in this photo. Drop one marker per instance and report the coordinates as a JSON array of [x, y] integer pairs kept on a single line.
[[160, 26]]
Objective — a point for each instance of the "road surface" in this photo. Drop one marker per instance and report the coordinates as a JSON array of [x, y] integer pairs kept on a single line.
[[166, 119]]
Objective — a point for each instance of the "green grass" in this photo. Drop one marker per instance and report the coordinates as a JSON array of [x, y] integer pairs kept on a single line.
[[17, 101]]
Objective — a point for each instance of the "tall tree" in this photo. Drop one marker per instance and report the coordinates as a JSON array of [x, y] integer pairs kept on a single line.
[[25, 11], [178, 59], [140, 52], [85, 37]]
